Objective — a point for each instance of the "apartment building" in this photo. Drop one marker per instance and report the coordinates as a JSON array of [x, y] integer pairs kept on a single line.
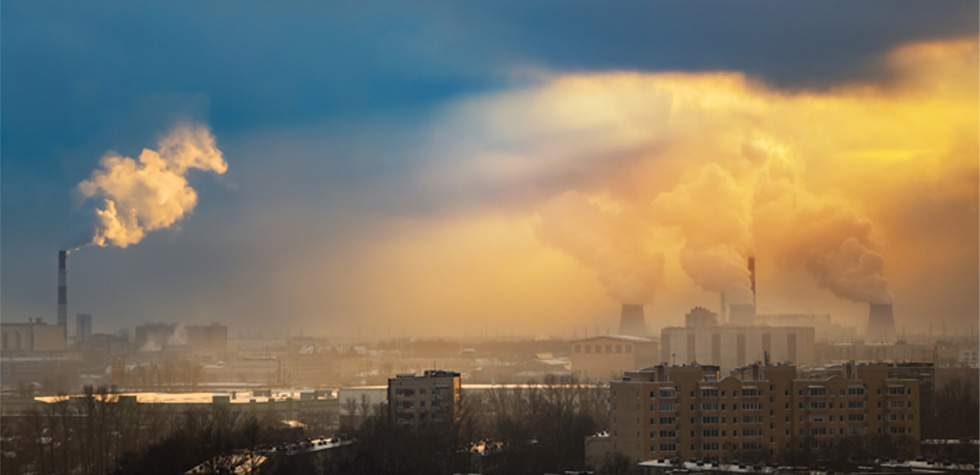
[[428, 400], [756, 411]]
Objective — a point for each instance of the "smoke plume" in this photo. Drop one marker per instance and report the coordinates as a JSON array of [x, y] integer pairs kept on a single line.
[[833, 242], [127, 198], [713, 212], [608, 238]]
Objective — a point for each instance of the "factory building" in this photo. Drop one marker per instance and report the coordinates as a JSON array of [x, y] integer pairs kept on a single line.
[[83, 326], [732, 346], [160, 336], [31, 338], [757, 411], [432, 399], [605, 358]]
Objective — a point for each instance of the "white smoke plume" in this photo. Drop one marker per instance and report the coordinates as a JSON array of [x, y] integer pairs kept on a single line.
[[714, 213], [127, 198], [179, 336], [833, 242], [608, 238]]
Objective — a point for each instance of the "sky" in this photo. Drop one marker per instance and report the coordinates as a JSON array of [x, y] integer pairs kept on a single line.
[[454, 168]]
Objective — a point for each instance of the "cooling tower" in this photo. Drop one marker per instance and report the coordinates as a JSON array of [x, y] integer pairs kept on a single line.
[[63, 290], [631, 321], [881, 323]]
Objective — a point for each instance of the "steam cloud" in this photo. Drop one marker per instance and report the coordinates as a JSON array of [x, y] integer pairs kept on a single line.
[[833, 242], [713, 211], [128, 198], [608, 238]]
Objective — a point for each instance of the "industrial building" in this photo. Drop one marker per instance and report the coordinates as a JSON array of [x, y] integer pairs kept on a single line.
[[160, 336], [732, 346], [31, 338], [605, 358], [757, 411], [428, 400], [83, 326]]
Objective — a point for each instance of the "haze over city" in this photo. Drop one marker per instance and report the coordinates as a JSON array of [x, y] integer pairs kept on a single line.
[[380, 176], [468, 237]]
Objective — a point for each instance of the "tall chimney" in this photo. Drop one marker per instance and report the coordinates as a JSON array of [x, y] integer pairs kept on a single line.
[[63, 290], [881, 323], [631, 321], [752, 277]]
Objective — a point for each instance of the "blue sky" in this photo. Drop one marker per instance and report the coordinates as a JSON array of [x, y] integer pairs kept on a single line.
[[321, 109]]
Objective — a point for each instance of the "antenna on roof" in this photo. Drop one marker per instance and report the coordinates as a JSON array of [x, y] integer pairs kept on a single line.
[[765, 357]]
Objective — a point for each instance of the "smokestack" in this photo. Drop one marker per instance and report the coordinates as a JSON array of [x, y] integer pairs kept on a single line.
[[631, 321], [63, 290], [752, 277], [881, 323], [722, 314]]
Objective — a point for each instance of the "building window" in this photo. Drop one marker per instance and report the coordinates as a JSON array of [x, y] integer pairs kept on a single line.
[[709, 433], [619, 348], [855, 391], [598, 348], [668, 407], [668, 434], [709, 420], [608, 348], [668, 420], [588, 348], [708, 392], [816, 391], [578, 348], [709, 406]]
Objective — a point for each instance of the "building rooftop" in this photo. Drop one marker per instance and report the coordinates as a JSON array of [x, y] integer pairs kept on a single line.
[[634, 339]]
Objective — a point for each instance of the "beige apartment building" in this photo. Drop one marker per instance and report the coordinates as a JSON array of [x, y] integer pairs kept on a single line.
[[431, 399], [756, 411], [607, 357]]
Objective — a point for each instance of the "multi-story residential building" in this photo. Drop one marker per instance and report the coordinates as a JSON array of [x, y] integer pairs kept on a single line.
[[428, 400], [757, 411], [607, 357]]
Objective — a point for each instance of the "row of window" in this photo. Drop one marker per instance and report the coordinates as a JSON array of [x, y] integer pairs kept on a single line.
[[411, 392], [410, 404], [709, 446], [599, 348]]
